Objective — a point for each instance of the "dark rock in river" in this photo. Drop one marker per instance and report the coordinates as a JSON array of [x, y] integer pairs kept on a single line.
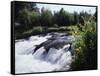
[[57, 41]]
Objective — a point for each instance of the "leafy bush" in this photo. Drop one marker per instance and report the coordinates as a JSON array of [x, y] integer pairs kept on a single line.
[[86, 48], [90, 39]]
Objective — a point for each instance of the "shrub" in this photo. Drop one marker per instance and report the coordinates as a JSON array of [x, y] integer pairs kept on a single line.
[[86, 48]]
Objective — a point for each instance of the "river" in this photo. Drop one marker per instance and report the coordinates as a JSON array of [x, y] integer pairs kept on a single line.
[[57, 58]]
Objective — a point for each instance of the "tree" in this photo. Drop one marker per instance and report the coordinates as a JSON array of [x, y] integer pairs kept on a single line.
[[76, 18], [62, 18], [35, 19], [46, 18], [20, 6], [81, 18]]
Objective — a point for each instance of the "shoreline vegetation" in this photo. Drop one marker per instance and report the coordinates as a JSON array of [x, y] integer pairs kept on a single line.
[[41, 30], [30, 21]]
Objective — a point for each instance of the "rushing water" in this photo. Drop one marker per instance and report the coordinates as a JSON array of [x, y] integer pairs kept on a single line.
[[56, 59]]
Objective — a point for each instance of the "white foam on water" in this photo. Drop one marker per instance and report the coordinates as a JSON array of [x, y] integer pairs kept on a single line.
[[26, 62]]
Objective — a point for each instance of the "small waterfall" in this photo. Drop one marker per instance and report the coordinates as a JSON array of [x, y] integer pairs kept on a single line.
[[55, 60]]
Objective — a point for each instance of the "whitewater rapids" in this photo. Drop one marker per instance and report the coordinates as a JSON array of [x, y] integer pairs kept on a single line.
[[54, 60]]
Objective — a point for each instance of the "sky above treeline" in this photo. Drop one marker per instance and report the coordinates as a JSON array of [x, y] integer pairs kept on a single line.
[[69, 8]]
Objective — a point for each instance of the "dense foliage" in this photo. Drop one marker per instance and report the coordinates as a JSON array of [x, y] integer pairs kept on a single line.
[[28, 16], [86, 47]]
